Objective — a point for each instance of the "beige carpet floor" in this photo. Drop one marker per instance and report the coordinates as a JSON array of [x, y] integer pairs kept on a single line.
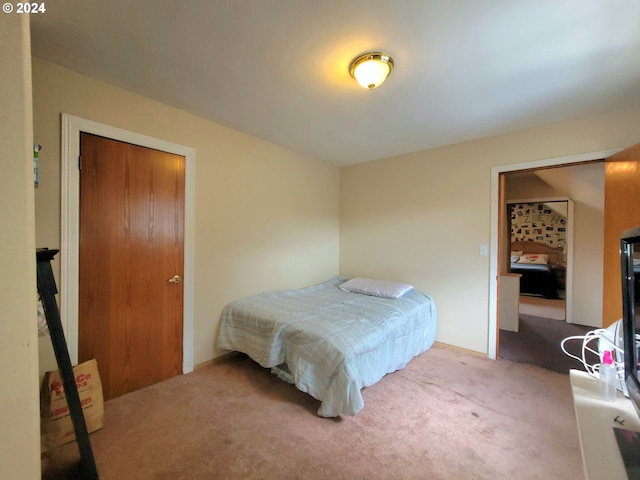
[[542, 307], [447, 415]]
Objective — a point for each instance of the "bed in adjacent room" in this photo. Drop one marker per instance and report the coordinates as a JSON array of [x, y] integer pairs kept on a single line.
[[331, 342], [540, 266]]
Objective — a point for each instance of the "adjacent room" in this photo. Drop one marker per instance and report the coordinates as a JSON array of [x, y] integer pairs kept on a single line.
[[556, 228], [484, 152]]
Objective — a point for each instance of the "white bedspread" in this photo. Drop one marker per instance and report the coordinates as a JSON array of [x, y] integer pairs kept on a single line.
[[333, 342]]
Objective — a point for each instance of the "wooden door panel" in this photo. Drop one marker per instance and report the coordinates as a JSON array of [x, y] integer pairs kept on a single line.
[[131, 243], [622, 211]]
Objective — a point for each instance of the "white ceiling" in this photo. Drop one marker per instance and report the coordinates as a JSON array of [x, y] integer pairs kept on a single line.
[[278, 69]]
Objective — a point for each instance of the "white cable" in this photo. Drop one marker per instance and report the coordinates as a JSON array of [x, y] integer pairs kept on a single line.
[[597, 334]]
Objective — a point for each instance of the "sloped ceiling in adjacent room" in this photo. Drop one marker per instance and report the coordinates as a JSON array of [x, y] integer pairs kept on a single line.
[[581, 183]]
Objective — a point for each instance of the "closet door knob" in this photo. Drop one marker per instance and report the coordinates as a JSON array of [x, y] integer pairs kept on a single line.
[[175, 279]]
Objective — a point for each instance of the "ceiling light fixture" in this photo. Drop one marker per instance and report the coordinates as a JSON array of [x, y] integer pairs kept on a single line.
[[371, 69]]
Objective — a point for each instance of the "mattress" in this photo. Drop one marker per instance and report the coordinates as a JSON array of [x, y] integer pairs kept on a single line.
[[333, 342], [539, 280]]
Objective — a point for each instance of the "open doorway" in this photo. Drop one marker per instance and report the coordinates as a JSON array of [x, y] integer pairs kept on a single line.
[[589, 270], [555, 222]]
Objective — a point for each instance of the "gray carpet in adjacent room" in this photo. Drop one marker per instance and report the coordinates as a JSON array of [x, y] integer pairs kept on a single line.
[[538, 343], [447, 415]]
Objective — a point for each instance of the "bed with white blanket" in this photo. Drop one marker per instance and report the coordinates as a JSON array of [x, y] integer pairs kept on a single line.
[[327, 341]]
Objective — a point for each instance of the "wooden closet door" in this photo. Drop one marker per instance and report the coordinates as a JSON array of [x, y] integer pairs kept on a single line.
[[131, 244], [621, 211]]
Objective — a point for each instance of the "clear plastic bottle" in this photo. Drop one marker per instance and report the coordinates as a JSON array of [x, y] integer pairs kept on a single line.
[[608, 378]]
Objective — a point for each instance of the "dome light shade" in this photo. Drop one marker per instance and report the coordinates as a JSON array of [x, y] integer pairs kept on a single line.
[[371, 69]]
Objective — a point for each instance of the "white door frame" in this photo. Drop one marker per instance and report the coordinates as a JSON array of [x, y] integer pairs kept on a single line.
[[70, 215], [495, 204]]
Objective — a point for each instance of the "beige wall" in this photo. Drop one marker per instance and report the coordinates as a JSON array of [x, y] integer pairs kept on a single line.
[[422, 217], [19, 400], [588, 265], [266, 217]]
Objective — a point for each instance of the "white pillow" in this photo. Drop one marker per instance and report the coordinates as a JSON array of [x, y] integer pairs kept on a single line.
[[376, 288], [535, 258], [517, 252]]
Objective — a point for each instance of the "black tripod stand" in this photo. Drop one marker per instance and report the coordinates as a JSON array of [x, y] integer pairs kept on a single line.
[[47, 290]]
